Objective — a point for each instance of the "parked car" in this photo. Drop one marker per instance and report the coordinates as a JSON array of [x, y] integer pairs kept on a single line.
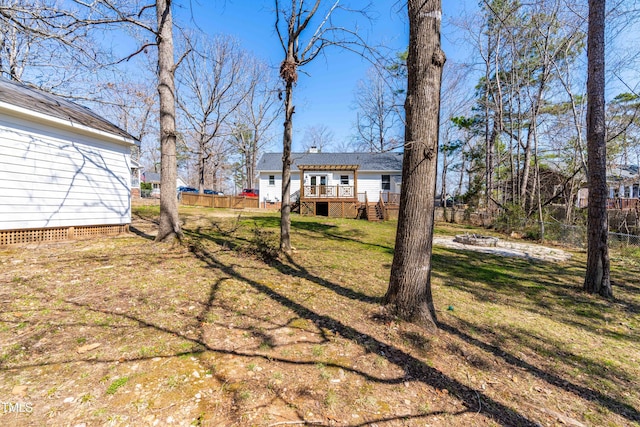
[[187, 190], [249, 192], [214, 192]]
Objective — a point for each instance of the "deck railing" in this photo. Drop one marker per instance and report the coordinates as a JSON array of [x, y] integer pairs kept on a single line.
[[390, 198], [619, 203], [328, 191]]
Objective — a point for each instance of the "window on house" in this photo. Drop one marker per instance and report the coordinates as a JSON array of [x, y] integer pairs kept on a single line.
[[272, 180], [344, 179], [386, 182]]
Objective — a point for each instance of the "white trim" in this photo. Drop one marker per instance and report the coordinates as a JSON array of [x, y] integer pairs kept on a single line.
[[20, 111]]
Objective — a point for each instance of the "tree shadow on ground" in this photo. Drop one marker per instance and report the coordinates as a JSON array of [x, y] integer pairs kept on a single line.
[[415, 369], [555, 290], [290, 268], [322, 230], [508, 277], [141, 233], [554, 294], [611, 404]]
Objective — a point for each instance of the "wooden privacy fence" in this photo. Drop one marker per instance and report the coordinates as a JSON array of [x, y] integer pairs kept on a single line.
[[215, 201]]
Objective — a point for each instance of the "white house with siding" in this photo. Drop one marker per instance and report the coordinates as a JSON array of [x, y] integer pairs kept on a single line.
[[62, 168], [332, 184]]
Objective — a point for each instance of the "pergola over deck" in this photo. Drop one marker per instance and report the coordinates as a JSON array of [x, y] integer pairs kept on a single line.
[[330, 200]]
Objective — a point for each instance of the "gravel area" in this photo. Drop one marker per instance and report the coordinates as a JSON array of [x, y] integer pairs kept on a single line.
[[510, 249]]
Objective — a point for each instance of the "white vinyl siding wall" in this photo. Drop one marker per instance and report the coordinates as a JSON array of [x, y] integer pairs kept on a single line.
[[272, 193], [369, 182], [51, 177]]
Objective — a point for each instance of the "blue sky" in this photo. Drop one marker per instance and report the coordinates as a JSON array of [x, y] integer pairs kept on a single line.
[[324, 95]]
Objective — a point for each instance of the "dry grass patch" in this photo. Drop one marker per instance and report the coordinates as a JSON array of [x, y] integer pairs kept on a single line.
[[222, 331]]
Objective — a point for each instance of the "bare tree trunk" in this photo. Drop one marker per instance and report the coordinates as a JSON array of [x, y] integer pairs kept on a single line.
[[443, 191], [169, 227], [528, 147], [537, 183], [409, 292], [597, 278], [488, 161], [202, 163], [285, 212], [463, 165], [497, 126]]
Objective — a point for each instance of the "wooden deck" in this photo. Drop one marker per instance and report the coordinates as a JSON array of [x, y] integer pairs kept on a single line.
[[354, 207], [623, 204]]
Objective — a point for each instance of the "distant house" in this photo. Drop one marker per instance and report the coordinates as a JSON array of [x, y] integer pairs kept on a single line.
[[136, 172], [333, 184], [153, 178], [64, 171], [623, 182]]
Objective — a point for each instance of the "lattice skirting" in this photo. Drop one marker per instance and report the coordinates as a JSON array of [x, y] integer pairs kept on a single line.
[[15, 237], [307, 208], [342, 209], [333, 209]]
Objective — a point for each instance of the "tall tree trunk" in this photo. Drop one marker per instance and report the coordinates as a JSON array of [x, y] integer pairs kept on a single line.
[[169, 227], [201, 169], [443, 191], [538, 184], [535, 110], [496, 133], [463, 165], [409, 292], [488, 161], [597, 278], [490, 166], [285, 211], [214, 175]]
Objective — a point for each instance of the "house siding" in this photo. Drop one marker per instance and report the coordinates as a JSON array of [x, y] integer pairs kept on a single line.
[[365, 171], [369, 182], [52, 177], [272, 193]]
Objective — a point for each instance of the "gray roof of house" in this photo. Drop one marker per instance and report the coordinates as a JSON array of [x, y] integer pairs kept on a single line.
[[390, 161], [52, 105], [150, 177], [623, 173]]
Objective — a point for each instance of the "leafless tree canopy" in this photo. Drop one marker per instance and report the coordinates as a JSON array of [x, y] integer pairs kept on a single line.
[[305, 29]]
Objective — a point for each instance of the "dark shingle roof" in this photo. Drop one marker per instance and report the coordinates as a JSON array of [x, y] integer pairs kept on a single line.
[[52, 105], [391, 161]]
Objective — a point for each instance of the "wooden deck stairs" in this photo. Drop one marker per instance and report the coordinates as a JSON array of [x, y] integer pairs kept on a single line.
[[374, 212]]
